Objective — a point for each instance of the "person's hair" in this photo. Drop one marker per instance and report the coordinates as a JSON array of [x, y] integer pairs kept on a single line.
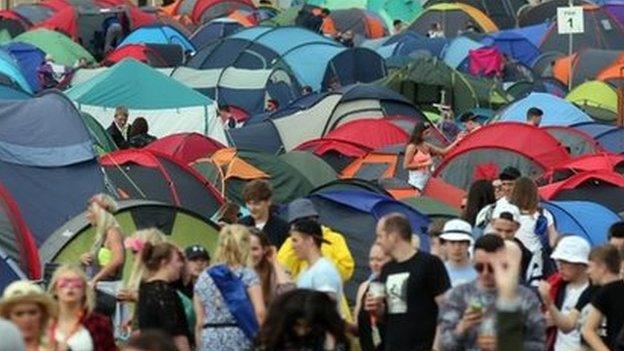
[[480, 194], [317, 309], [399, 224], [139, 126], [534, 111], [88, 302], [311, 227], [607, 255], [152, 236], [396, 22], [154, 255], [264, 269], [325, 11], [151, 340], [525, 195], [417, 136], [257, 190], [489, 243], [233, 247], [121, 110], [436, 227], [274, 102], [104, 221], [616, 230]]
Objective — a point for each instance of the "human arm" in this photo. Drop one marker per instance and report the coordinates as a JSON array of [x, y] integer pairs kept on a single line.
[[114, 242], [358, 302], [589, 330], [456, 321], [255, 295], [442, 151], [552, 235], [199, 316], [564, 322], [182, 343]]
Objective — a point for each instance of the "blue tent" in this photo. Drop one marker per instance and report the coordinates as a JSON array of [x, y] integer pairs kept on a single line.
[[557, 111], [47, 164], [10, 69], [9, 271], [406, 43], [355, 213], [214, 30], [456, 53], [158, 34], [608, 136], [513, 45], [533, 33], [587, 219], [29, 58]]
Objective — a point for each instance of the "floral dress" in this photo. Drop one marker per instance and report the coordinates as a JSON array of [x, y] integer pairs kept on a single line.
[[220, 332]]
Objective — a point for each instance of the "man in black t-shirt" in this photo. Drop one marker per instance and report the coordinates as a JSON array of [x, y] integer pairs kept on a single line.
[[258, 196], [415, 284], [606, 311]]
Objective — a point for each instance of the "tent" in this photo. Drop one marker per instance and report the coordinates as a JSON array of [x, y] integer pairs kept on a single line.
[[575, 141], [497, 146], [557, 111], [586, 65], [230, 169], [148, 175], [355, 215], [141, 52], [102, 141], [544, 11], [601, 32], [432, 207], [501, 12], [424, 80], [317, 171], [406, 44], [48, 165], [388, 10], [364, 24], [611, 138], [62, 49], [522, 89], [28, 58], [602, 187], [159, 34], [359, 132], [186, 147], [453, 18], [214, 30], [586, 219], [169, 106], [12, 24], [183, 227], [314, 116], [11, 75], [513, 45], [19, 257], [207, 10], [601, 161], [456, 53], [598, 99], [337, 153]]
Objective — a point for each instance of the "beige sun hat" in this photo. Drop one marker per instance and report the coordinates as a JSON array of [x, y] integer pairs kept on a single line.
[[26, 292]]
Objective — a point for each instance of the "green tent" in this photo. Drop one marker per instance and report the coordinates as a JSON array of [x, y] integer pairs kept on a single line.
[[317, 171], [183, 228], [62, 49], [598, 99], [388, 10], [284, 18], [103, 143], [422, 81], [431, 207]]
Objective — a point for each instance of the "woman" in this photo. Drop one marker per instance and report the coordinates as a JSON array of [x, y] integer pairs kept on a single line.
[[479, 206], [226, 320], [139, 136], [303, 319], [273, 277], [418, 157], [159, 305], [78, 327], [104, 262], [29, 308], [376, 260], [537, 230]]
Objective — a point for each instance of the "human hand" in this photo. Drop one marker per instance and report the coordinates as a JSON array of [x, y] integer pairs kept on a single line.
[[373, 305], [486, 342], [544, 291], [86, 259], [506, 266], [472, 317], [127, 295]]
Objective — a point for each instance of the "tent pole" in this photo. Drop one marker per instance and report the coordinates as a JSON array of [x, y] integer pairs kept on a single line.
[[620, 97], [570, 49]]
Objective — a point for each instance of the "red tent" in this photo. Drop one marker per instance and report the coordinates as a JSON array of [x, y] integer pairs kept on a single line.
[[588, 163], [548, 192], [205, 10], [440, 190], [139, 52], [186, 147], [370, 132], [530, 149]]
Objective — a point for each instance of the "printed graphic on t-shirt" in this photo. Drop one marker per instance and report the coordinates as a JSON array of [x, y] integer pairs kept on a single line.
[[396, 286]]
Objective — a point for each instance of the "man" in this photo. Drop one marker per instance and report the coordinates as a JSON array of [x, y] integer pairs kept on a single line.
[[119, 130], [507, 179], [336, 249], [397, 25], [616, 235], [470, 121], [605, 318], [258, 196], [435, 31], [198, 259], [321, 275], [466, 312], [415, 285], [563, 290], [457, 236], [534, 116]]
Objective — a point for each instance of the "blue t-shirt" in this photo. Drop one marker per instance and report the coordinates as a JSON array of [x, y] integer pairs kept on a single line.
[[322, 276], [460, 275]]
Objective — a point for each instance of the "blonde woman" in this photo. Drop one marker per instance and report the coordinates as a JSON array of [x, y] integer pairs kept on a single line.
[[77, 327], [228, 296]]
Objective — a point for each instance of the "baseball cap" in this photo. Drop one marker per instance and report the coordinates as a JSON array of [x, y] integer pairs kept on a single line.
[[573, 249], [194, 252], [510, 173], [506, 211], [309, 227], [301, 208], [456, 230]]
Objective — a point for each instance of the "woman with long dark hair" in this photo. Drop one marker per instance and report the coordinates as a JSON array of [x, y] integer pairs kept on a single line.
[[274, 279], [480, 195], [418, 156]]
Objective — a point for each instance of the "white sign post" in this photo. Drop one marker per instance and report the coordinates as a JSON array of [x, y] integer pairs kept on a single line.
[[570, 20]]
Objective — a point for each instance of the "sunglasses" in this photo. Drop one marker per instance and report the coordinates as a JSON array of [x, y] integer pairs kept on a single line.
[[71, 283], [481, 267]]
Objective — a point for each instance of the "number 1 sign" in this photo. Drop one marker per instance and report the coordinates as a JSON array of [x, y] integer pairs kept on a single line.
[[570, 20]]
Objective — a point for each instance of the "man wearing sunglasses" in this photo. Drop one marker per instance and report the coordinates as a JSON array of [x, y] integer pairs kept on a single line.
[[467, 318]]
